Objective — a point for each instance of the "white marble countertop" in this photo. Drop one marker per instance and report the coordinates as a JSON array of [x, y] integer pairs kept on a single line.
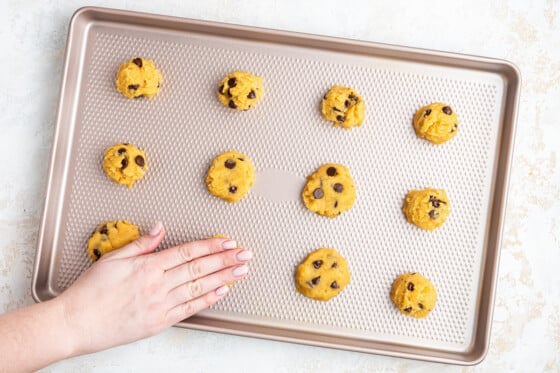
[[526, 326]]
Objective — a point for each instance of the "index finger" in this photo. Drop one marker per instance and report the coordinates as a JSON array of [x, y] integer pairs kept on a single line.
[[177, 255]]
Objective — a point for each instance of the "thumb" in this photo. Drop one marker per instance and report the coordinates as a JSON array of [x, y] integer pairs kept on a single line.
[[143, 245]]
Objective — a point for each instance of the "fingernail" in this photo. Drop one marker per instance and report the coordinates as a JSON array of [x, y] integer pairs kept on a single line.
[[228, 245], [240, 271], [244, 255], [222, 290], [156, 229]]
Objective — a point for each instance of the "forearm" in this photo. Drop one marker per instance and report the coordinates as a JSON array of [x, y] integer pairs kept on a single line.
[[34, 337]]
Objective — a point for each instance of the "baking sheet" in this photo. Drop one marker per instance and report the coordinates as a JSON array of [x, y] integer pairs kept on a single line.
[[184, 127]]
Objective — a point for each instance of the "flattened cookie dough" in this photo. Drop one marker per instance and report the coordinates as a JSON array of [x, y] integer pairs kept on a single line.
[[240, 90], [330, 190], [414, 295], [138, 77], [344, 107], [124, 164], [322, 275], [111, 235], [230, 176], [436, 123], [427, 208]]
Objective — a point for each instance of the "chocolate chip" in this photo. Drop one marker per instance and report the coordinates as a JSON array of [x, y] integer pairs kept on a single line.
[[139, 160], [230, 163], [335, 109], [252, 95], [335, 204], [103, 230], [97, 253], [232, 82], [317, 264], [434, 201], [124, 163], [412, 274], [331, 171], [158, 85], [428, 112], [137, 61], [121, 151], [324, 97], [340, 118], [346, 104], [421, 306], [232, 189], [410, 286], [125, 143], [455, 125], [315, 281], [318, 193], [232, 104], [353, 98], [338, 187], [221, 89], [228, 93], [334, 265], [334, 285], [407, 309], [433, 214], [447, 110], [134, 86]]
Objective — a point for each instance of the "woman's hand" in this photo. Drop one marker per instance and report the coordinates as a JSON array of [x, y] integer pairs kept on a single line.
[[133, 293]]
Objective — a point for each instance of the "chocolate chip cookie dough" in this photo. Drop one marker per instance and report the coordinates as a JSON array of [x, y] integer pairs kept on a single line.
[[240, 90], [414, 295], [322, 275], [109, 236], [436, 123], [124, 164], [138, 77], [344, 107], [230, 176], [427, 208], [330, 190]]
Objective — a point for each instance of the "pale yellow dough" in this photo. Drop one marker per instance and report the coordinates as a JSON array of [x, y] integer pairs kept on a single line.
[[322, 275], [240, 90], [436, 123], [124, 163], [414, 295], [330, 190], [344, 107], [230, 176], [427, 208], [138, 77], [111, 236]]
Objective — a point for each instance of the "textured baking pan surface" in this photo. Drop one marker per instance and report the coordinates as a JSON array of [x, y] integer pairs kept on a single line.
[[184, 127]]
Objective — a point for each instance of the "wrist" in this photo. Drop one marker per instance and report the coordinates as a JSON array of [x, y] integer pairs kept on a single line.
[[65, 316]]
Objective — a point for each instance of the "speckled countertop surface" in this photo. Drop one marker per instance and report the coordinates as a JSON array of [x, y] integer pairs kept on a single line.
[[526, 326]]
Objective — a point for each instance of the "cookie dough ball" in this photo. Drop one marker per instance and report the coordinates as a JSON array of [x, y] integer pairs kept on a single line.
[[436, 123], [230, 176], [124, 163], [344, 107], [322, 275], [138, 77], [329, 191], [110, 236], [414, 295], [240, 90], [427, 209]]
